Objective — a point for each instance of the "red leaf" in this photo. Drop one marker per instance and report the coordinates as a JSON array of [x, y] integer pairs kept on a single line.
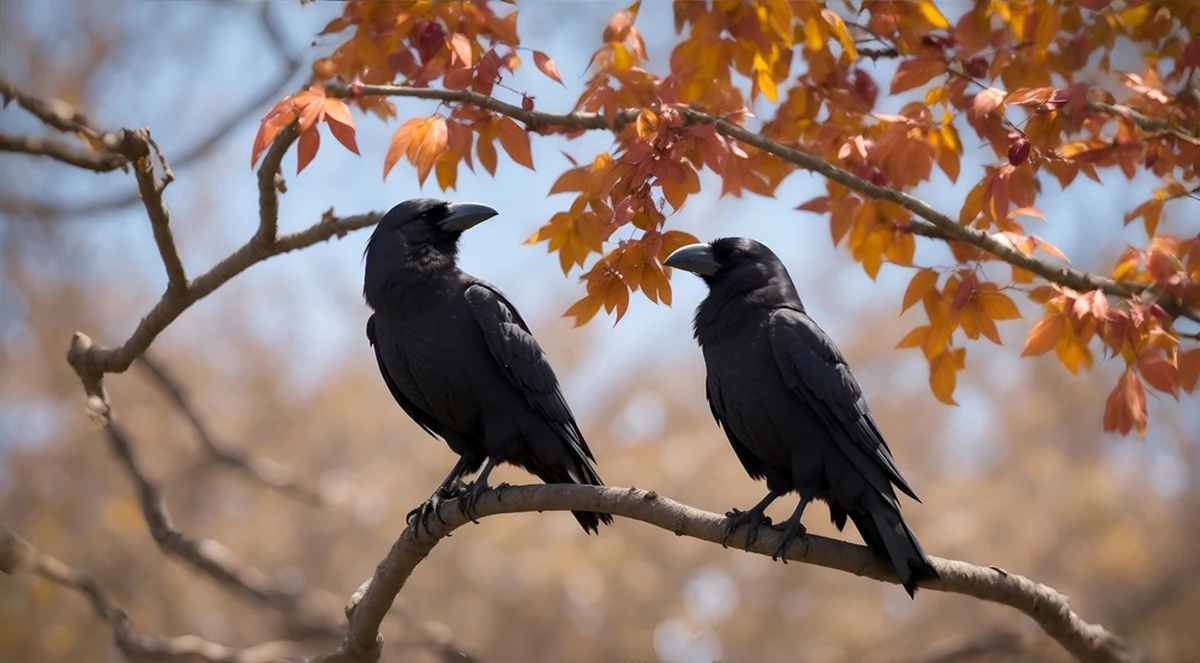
[[310, 142], [1159, 373], [547, 66]]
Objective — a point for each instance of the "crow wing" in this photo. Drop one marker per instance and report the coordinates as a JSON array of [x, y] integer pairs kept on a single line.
[[815, 370], [716, 404], [426, 421], [522, 360]]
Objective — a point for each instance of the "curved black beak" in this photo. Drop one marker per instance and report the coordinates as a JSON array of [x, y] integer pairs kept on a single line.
[[464, 216], [694, 258]]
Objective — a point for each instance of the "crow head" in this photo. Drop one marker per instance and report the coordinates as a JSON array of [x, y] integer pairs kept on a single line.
[[418, 235], [739, 272]]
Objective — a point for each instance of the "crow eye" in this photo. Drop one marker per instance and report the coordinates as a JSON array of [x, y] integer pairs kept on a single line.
[[736, 254]]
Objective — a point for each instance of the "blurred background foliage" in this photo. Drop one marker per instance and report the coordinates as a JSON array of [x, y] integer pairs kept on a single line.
[[276, 362]]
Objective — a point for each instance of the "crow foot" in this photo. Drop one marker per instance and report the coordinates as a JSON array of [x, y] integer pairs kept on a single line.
[[791, 529], [753, 519], [471, 494], [432, 506]]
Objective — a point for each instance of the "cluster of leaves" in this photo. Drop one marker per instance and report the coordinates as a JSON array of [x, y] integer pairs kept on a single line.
[[1012, 72]]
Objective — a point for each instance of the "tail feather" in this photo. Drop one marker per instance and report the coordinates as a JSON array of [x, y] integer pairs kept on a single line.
[[582, 474], [884, 531]]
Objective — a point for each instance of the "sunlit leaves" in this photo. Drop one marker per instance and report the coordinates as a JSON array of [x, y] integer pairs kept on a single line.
[[998, 75]]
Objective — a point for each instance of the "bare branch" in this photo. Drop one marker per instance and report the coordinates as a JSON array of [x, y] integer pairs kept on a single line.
[[100, 162], [307, 614], [139, 148], [262, 470], [936, 224], [1049, 608], [19, 556], [292, 65]]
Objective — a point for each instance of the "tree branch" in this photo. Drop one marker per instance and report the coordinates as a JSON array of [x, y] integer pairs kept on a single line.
[[150, 187], [19, 556], [307, 614], [1045, 605], [292, 64], [936, 224], [100, 162], [262, 470]]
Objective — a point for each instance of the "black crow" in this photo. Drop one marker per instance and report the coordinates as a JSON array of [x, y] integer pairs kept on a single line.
[[461, 362], [790, 407]]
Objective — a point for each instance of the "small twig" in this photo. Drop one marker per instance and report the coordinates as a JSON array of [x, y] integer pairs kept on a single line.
[[140, 149], [1049, 608], [19, 556], [98, 161], [263, 470]]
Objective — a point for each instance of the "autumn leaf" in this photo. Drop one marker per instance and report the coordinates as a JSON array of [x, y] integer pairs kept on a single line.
[[547, 66], [1189, 369], [922, 283], [310, 142], [943, 374], [915, 73], [1126, 406], [1044, 335], [403, 138], [515, 141]]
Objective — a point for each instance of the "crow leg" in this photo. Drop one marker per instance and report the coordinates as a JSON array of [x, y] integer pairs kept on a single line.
[[791, 529], [449, 488], [478, 487], [752, 519]]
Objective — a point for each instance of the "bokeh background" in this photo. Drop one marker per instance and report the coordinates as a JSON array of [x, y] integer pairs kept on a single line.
[[1018, 476]]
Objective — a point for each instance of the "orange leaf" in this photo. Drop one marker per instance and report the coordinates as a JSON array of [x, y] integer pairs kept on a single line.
[[547, 66], [1159, 373], [433, 144], [998, 306], [485, 147], [942, 375], [922, 283], [344, 135], [310, 142], [515, 141], [915, 73], [1044, 335], [401, 141], [575, 179], [914, 338], [583, 310], [462, 48], [1126, 406], [1189, 369]]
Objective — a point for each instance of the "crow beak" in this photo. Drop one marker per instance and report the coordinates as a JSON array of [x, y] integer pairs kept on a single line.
[[464, 216], [694, 258]]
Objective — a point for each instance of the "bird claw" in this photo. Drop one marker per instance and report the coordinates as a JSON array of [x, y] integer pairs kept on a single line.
[[791, 530], [432, 506], [470, 495], [752, 519]]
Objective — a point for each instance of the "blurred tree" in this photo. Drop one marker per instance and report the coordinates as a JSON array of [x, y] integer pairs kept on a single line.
[[1039, 496]]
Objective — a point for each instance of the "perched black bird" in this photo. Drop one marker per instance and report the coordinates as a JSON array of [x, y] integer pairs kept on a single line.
[[461, 362], [791, 409]]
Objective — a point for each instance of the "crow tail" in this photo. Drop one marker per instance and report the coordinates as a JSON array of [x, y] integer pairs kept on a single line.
[[584, 474], [885, 532]]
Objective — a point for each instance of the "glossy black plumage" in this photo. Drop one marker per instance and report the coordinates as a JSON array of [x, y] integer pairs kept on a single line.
[[792, 410], [460, 361]]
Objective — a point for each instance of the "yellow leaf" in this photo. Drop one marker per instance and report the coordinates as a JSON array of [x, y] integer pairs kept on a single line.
[[839, 30], [998, 306], [1044, 335], [914, 338], [931, 14], [814, 35]]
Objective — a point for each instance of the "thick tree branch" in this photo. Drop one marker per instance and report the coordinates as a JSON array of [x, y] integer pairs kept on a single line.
[[19, 556], [935, 225], [262, 470], [100, 162], [1049, 608]]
